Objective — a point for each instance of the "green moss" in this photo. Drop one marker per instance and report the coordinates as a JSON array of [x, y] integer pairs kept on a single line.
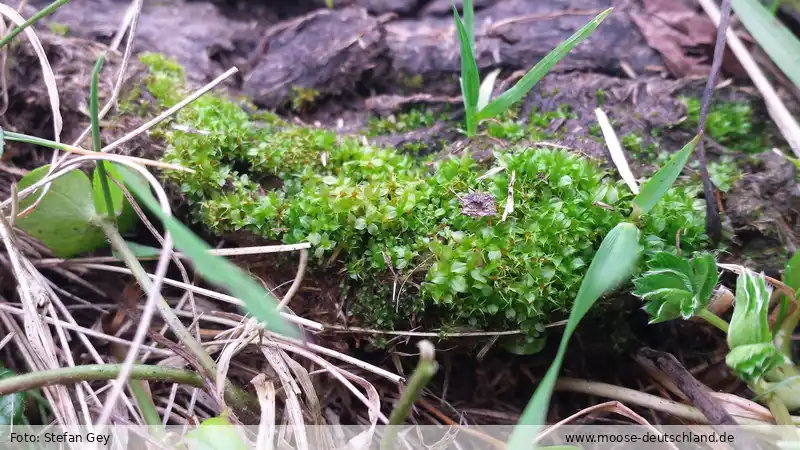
[[411, 120], [411, 81], [600, 96], [509, 127], [395, 223], [731, 124], [59, 29], [301, 98]]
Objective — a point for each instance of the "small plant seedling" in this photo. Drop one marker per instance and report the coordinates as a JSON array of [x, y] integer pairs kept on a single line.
[[477, 95]]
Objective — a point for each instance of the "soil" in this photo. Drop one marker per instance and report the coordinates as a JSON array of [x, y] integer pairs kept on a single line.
[[377, 57]]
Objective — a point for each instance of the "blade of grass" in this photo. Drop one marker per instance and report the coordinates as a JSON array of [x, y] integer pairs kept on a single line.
[[470, 78], [612, 264], [516, 93], [782, 46], [36, 17], [659, 184], [96, 146], [214, 268], [469, 22]]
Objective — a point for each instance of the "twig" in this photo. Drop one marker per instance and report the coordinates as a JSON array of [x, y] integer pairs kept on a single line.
[[775, 107], [713, 221], [298, 279]]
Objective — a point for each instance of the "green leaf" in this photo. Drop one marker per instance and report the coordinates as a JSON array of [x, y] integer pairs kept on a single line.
[[752, 362], [520, 90], [12, 405], [791, 276], [750, 322], [612, 264], [62, 220], [674, 287], [656, 187], [469, 22], [140, 251], [260, 303], [470, 78], [216, 433], [774, 37], [126, 216]]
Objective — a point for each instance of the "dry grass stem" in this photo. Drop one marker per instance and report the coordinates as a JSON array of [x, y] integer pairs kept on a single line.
[[617, 153]]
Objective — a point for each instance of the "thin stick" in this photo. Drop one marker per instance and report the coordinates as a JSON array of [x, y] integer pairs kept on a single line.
[[171, 111], [775, 107], [298, 279]]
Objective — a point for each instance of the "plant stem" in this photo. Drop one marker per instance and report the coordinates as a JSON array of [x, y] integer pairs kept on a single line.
[[96, 146], [36, 17], [183, 334], [145, 403], [783, 338], [713, 319], [421, 376], [104, 372]]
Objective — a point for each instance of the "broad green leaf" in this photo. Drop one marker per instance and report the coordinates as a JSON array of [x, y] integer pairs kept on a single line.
[[774, 37], [791, 276], [749, 322], [62, 219], [656, 187], [260, 303], [470, 78], [523, 86], [612, 264], [126, 216], [12, 405], [674, 287], [216, 433], [752, 362]]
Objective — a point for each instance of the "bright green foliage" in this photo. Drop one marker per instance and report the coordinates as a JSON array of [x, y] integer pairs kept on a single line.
[[613, 264], [12, 405], [216, 433], [367, 206], [749, 323], [661, 182], [724, 173], [62, 220], [302, 98], [676, 287], [730, 124], [752, 362], [402, 123]]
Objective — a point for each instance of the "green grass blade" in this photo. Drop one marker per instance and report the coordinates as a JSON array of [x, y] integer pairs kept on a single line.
[[35, 18], [469, 22], [470, 78], [791, 276], [520, 90], [260, 303], [782, 46], [612, 264], [96, 145], [659, 184]]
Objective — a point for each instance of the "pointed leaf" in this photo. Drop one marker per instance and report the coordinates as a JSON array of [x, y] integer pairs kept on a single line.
[[469, 22], [523, 86], [62, 220], [705, 277], [470, 78], [656, 187], [791, 276], [260, 303], [487, 87], [612, 264]]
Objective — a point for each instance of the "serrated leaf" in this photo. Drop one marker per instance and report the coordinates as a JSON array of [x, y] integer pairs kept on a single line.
[[612, 264], [524, 85], [659, 184], [12, 405], [749, 322], [705, 275], [752, 362], [62, 220], [260, 303], [675, 287]]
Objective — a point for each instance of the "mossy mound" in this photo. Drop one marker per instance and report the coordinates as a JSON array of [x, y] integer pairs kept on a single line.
[[404, 228]]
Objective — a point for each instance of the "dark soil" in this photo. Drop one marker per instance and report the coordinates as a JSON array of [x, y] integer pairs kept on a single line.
[[360, 58]]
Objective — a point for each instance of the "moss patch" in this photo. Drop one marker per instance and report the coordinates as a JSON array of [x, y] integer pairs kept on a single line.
[[397, 224]]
